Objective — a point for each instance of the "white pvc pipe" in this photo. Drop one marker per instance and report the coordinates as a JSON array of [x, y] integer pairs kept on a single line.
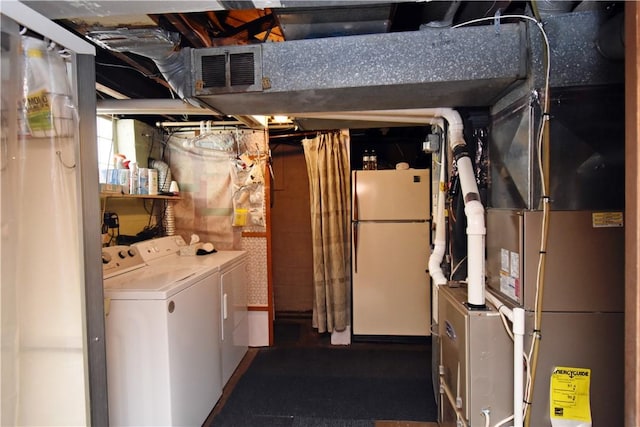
[[518, 374], [516, 316], [440, 241], [476, 231], [473, 209]]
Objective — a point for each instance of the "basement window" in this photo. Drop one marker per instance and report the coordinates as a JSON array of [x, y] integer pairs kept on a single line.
[[106, 146]]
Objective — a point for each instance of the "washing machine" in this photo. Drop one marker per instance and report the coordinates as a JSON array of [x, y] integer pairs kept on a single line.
[[232, 290], [162, 340]]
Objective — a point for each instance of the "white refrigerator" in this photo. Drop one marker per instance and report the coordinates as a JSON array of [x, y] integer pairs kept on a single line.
[[391, 232]]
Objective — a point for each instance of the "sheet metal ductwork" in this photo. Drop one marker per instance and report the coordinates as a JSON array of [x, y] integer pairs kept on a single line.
[[472, 66], [462, 67], [435, 67]]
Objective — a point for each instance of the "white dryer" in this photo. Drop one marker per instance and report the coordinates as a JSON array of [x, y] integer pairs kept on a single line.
[[232, 291], [162, 331]]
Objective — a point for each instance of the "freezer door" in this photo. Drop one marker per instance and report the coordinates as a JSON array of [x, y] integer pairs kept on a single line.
[[391, 195], [391, 289]]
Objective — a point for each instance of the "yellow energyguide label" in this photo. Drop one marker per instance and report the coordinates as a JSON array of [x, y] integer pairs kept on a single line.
[[607, 219], [569, 394]]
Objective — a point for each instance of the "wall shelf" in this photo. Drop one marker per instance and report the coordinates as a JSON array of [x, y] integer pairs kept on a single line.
[[138, 196]]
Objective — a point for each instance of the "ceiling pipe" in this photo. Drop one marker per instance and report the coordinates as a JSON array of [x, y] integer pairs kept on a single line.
[[447, 19], [151, 107], [474, 210], [547, 8]]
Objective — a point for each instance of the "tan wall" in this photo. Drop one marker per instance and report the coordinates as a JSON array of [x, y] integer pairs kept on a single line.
[[291, 231], [132, 213]]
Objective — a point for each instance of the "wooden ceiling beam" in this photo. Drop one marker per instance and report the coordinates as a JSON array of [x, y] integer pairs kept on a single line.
[[193, 31]]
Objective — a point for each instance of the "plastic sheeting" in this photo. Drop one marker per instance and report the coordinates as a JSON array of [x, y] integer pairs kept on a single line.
[[219, 173], [41, 270]]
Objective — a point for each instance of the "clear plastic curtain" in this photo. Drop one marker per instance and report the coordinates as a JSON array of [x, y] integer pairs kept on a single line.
[[42, 286], [328, 170]]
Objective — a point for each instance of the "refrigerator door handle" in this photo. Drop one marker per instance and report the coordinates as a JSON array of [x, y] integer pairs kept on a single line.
[[354, 232], [355, 196]]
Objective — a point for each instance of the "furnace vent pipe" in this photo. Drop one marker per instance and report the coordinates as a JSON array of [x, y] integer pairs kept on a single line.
[[474, 211]]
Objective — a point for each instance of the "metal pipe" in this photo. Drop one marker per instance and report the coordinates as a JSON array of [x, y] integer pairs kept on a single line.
[[150, 106]]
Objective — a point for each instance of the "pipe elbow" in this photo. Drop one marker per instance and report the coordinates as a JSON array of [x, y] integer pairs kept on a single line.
[[435, 270], [474, 208], [450, 115], [475, 218]]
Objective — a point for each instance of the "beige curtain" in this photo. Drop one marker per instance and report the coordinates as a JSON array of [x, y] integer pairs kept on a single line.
[[328, 170]]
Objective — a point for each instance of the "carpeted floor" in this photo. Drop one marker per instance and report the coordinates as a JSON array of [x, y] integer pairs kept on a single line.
[[304, 381]]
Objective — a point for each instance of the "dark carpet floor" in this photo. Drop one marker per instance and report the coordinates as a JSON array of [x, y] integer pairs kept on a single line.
[[332, 387]]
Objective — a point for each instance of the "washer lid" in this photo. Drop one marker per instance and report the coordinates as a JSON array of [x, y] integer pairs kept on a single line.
[[152, 282]]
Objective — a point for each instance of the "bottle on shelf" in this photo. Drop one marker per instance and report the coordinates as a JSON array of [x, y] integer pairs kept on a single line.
[[133, 178], [373, 160], [366, 160]]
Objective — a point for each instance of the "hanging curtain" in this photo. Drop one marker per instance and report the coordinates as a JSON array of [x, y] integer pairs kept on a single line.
[[328, 170]]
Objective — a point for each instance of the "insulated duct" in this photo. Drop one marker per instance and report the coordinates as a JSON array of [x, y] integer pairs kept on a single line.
[[159, 45]]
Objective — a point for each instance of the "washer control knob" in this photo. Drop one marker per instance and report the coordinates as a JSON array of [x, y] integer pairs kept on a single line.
[[122, 254]]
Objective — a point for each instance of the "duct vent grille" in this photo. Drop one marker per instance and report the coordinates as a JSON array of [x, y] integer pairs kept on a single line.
[[228, 70], [242, 70], [213, 71]]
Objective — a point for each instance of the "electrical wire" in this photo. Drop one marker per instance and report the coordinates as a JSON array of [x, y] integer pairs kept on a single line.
[[504, 421], [540, 275], [457, 266], [487, 417], [104, 64], [505, 322]]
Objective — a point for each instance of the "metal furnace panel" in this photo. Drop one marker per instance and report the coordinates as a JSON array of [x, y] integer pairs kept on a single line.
[[584, 157], [585, 261], [477, 356], [582, 340]]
